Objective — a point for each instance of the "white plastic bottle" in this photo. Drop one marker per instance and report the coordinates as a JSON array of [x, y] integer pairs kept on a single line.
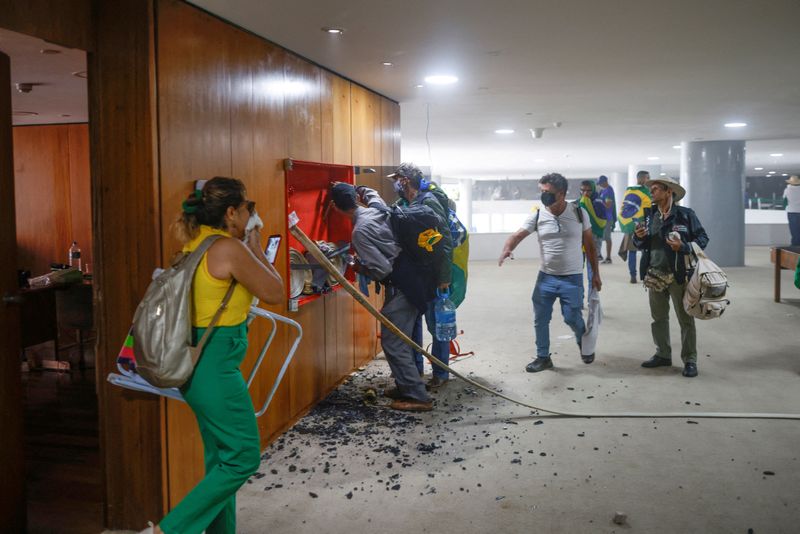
[[74, 256]]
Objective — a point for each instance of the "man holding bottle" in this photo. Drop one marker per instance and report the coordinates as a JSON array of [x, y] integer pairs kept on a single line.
[[563, 227]]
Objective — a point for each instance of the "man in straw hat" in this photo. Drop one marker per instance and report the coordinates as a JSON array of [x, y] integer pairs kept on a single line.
[[792, 196], [665, 239]]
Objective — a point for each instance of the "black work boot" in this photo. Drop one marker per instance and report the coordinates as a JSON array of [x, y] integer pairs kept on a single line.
[[690, 369], [657, 361], [539, 364]]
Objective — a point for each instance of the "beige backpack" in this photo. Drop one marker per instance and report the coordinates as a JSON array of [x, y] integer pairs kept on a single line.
[[705, 294]]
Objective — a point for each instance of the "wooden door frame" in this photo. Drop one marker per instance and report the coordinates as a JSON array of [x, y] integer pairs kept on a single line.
[[12, 465]]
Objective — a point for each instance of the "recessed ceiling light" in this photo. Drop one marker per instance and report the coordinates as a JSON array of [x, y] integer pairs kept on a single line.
[[771, 172], [759, 168], [540, 160], [80, 74], [441, 79], [663, 174], [784, 174], [653, 158], [504, 131], [676, 146], [387, 63], [49, 51], [776, 155], [735, 124], [419, 86], [334, 31]]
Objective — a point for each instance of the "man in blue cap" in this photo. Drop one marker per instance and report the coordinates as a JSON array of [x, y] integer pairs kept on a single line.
[[607, 196]]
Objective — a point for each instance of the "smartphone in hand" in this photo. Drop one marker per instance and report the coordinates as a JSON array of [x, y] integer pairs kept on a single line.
[[271, 252]]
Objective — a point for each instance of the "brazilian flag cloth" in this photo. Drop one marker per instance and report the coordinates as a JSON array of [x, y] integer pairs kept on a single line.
[[597, 213], [634, 203], [458, 272]]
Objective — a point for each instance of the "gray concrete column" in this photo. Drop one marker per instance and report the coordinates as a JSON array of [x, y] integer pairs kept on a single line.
[[654, 171], [465, 202], [618, 181], [713, 174]]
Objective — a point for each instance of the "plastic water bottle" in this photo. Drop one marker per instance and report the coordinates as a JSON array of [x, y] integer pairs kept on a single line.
[[74, 256], [445, 313]]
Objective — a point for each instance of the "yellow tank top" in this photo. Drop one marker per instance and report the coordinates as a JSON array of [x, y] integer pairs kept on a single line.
[[208, 292]]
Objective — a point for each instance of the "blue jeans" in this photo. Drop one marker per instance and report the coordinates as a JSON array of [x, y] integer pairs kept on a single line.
[[439, 349], [794, 227], [549, 287], [632, 263]]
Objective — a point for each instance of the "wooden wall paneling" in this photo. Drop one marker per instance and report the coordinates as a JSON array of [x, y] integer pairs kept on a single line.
[[345, 342], [12, 457], [336, 128], [65, 23], [41, 155], [80, 191], [258, 146], [307, 371], [332, 333], [365, 119], [127, 246], [195, 80], [52, 191], [301, 89]]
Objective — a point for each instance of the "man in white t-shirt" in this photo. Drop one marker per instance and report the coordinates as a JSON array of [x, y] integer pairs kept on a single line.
[[792, 196], [563, 227]]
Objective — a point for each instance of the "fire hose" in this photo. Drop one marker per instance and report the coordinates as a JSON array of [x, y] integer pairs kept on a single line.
[[312, 248]]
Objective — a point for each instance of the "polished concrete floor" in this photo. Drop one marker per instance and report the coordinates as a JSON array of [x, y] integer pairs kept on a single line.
[[480, 464]]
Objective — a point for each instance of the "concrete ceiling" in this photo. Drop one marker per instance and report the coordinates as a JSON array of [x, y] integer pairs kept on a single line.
[[61, 96], [628, 79]]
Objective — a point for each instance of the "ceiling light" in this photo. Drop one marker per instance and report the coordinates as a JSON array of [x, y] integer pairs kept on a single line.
[[759, 168], [557, 124], [784, 174], [504, 131], [676, 146], [441, 79], [653, 158], [540, 160], [419, 86], [387, 63], [333, 31], [49, 51], [776, 155], [771, 172], [663, 174], [536, 133], [735, 124]]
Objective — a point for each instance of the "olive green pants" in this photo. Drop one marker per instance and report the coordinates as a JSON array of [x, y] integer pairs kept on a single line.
[[218, 395], [659, 310]]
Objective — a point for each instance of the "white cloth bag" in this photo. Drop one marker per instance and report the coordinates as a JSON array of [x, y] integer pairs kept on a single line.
[[594, 317]]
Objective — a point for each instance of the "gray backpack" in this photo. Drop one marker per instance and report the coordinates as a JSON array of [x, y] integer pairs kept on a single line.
[[162, 324]]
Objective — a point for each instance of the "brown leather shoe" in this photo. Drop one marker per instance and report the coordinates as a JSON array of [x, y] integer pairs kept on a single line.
[[393, 393], [411, 405], [436, 383]]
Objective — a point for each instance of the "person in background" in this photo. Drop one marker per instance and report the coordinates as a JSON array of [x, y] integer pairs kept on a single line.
[[635, 204], [610, 202], [216, 391], [665, 241], [562, 230], [594, 207], [792, 196], [409, 287], [412, 188]]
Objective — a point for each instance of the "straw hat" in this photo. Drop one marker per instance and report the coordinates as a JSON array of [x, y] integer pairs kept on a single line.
[[676, 188], [793, 180]]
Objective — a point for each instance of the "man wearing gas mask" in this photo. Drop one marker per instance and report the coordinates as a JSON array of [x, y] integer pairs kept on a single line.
[[563, 227]]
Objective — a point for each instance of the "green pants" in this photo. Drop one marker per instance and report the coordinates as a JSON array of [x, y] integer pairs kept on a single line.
[[218, 396], [659, 310]]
